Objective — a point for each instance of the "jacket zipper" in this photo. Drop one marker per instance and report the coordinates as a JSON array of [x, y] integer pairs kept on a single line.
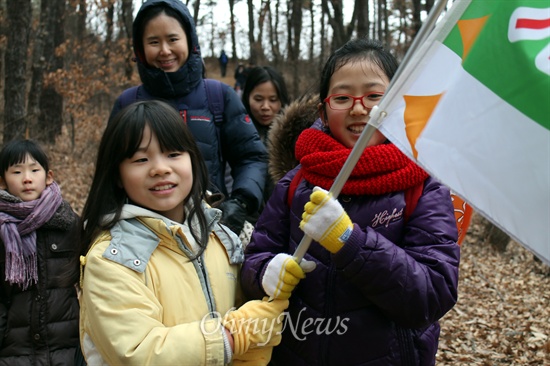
[[201, 272], [207, 289]]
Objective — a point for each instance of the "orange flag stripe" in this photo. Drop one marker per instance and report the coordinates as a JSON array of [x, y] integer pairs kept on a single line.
[[469, 31], [463, 216], [418, 110]]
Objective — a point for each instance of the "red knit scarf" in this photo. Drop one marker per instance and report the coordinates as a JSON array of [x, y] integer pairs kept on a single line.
[[381, 168]]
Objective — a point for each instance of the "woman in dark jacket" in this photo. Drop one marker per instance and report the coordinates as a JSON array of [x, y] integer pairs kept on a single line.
[[381, 280], [39, 307], [264, 97], [170, 66]]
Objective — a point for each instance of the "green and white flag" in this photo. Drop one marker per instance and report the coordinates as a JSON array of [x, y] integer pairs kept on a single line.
[[473, 108]]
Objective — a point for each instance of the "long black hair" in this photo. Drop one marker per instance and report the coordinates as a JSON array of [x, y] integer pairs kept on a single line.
[[259, 75], [121, 139]]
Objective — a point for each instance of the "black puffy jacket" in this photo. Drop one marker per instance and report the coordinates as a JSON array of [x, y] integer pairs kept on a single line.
[[39, 326]]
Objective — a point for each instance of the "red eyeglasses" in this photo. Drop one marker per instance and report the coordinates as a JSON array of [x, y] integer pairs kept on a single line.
[[340, 102]]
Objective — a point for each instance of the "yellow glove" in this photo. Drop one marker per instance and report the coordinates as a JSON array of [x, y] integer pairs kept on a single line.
[[259, 356], [283, 274], [255, 324], [325, 221]]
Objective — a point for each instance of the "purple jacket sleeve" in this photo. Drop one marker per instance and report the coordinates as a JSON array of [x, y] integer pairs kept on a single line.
[[414, 284]]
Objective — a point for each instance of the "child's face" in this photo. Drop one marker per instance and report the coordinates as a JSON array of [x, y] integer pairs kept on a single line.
[[355, 79], [165, 43], [26, 180], [156, 180], [264, 103]]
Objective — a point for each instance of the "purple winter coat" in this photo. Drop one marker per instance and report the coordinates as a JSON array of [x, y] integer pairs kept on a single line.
[[375, 302]]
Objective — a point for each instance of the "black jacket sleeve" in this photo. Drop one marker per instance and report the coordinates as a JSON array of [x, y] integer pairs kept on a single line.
[[244, 151]]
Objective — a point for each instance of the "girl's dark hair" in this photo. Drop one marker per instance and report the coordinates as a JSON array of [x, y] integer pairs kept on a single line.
[[149, 14], [358, 49], [121, 139], [259, 75], [15, 152]]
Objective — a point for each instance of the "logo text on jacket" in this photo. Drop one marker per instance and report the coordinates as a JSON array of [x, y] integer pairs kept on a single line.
[[385, 218]]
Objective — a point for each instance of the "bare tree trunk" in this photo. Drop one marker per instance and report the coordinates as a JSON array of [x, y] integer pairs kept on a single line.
[[402, 38], [75, 27], [322, 38], [351, 26], [251, 40], [82, 16], [294, 38], [213, 33], [386, 32], [295, 29], [38, 66], [277, 42], [416, 21], [232, 26], [260, 55], [110, 16], [77, 45], [19, 18], [273, 23], [51, 102], [3, 35], [379, 19], [336, 21], [196, 7], [127, 10], [363, 23], [312, 24], [77, 35]]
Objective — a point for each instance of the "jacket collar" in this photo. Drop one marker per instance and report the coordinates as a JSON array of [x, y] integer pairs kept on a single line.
[[140, 231]]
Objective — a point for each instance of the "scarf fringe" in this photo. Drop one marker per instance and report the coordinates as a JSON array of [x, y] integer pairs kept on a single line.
[[22, 271]]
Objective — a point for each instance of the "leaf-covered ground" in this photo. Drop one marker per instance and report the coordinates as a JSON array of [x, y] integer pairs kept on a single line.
[[502, 316]]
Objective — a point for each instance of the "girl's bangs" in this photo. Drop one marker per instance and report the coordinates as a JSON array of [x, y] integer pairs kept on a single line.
[[170, 134], [131, 139]]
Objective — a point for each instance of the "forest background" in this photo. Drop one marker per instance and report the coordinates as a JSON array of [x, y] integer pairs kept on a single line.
[[63, 63]]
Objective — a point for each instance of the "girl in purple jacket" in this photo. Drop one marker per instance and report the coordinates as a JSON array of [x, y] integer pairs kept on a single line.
[[381, 280]]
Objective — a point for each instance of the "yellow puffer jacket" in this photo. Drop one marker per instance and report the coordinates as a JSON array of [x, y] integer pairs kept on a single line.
[[145, 302]]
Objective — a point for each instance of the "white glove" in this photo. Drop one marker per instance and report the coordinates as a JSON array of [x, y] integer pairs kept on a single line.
[[325, 221], [283, 274]]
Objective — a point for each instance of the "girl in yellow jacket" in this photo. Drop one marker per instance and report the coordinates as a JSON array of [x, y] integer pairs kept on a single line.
[[159, 273]]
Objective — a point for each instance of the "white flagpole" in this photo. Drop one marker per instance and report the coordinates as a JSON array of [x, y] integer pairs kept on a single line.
[[376, 118]]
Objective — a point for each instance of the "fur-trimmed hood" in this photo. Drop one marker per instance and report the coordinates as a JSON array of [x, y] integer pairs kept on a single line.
[[284, 131]]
